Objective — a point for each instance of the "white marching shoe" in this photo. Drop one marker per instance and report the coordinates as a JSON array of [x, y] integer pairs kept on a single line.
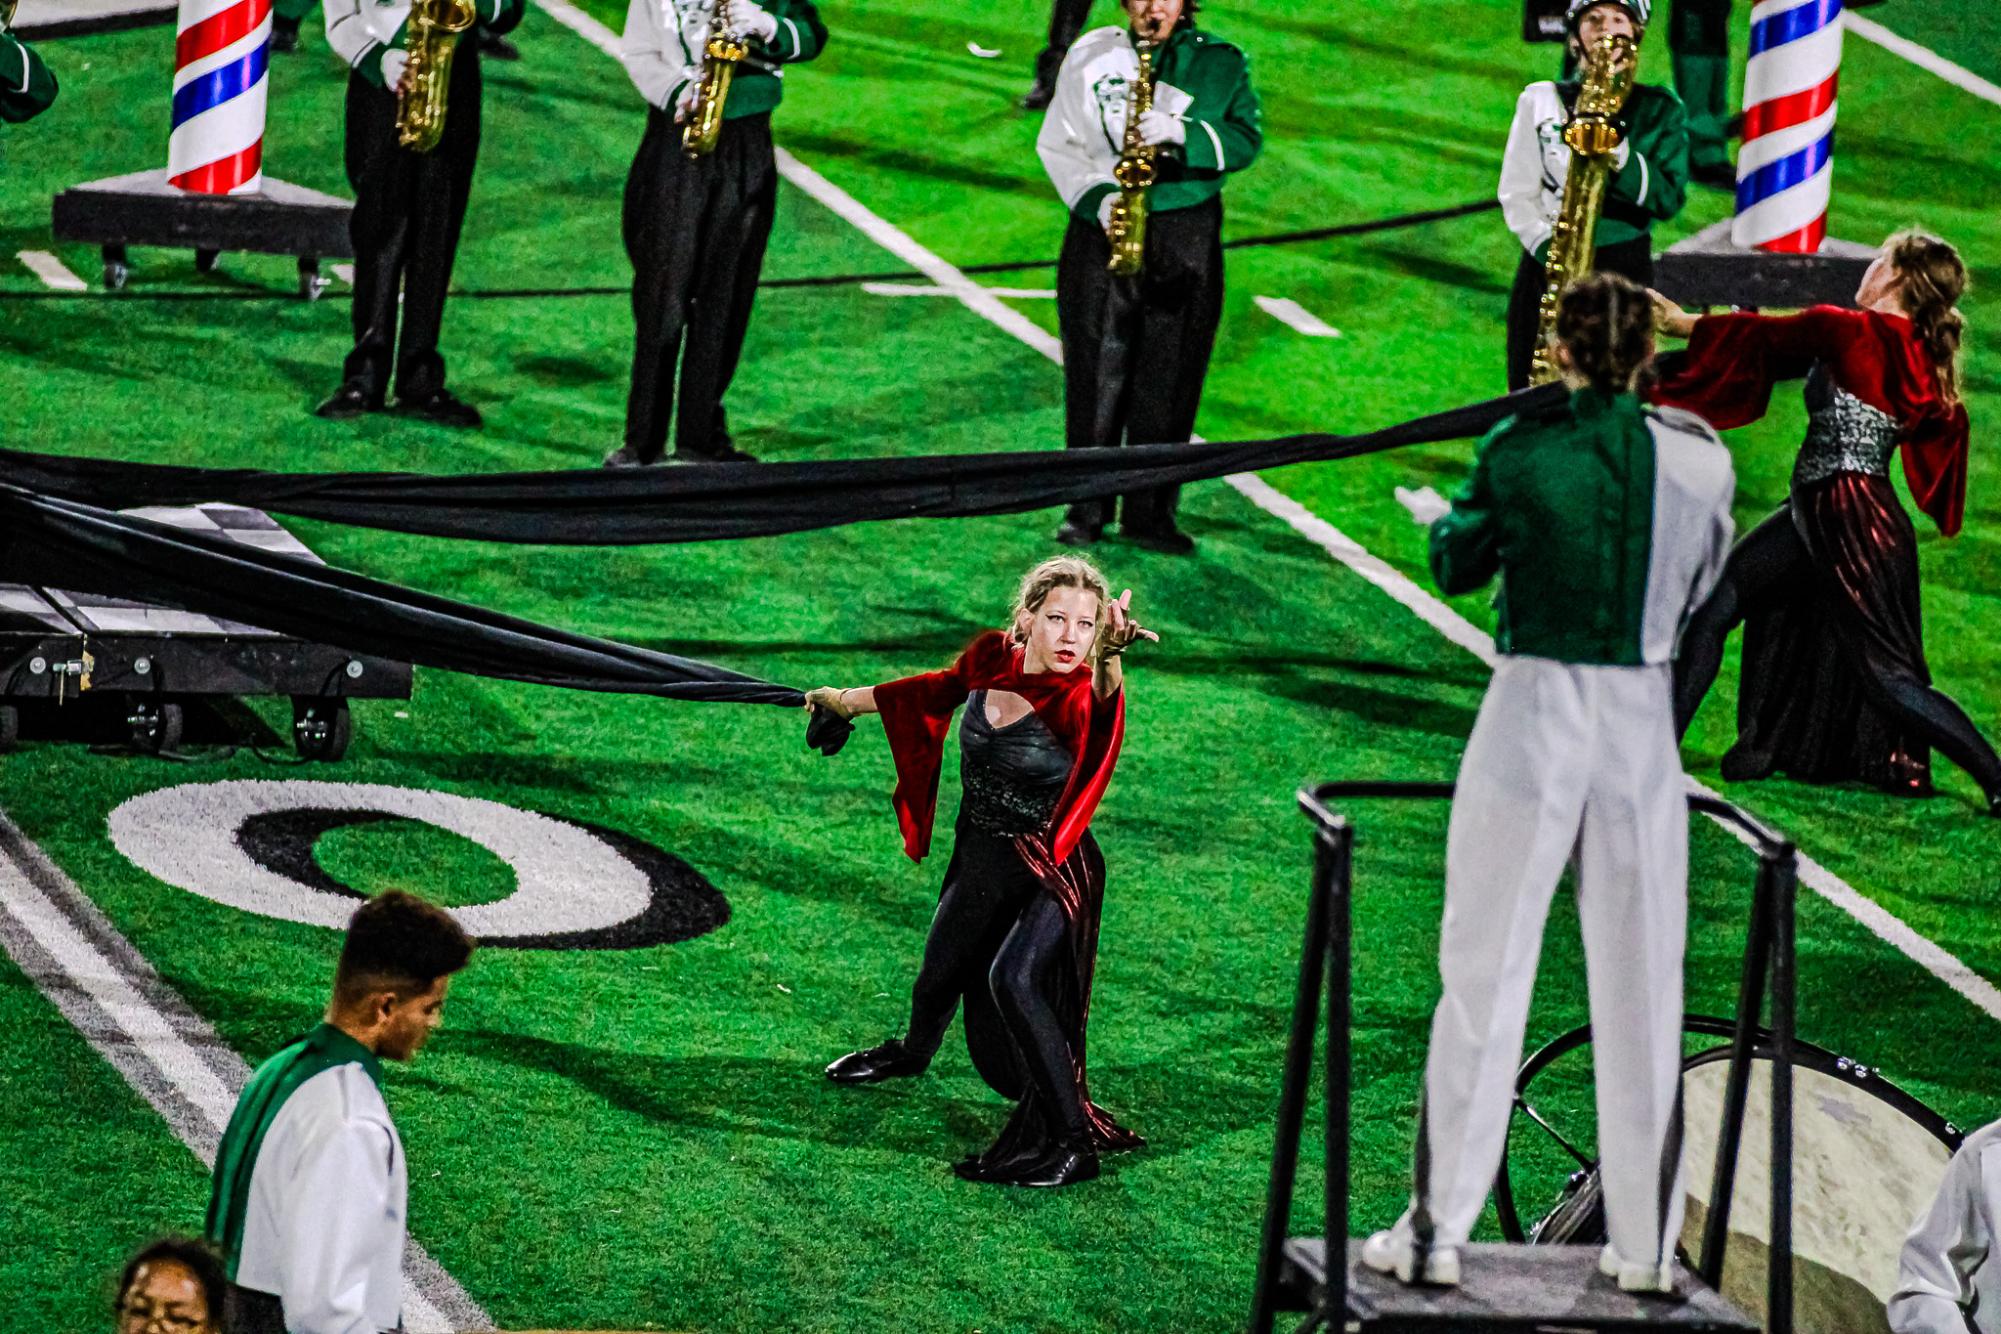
[[1635, 1277], [1394, 1252]]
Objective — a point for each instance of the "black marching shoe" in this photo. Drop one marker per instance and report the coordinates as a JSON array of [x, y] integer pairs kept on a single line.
[[495, 47], [1994, 805], [625, 456], [284, 35], [1039, 95], [1168, 540], [1075, 533], [1059, 1165], [349, 401], [891, 1060], [1716, 175], [442, 407]]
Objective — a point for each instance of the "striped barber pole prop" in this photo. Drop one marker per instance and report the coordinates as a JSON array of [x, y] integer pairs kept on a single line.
[[1785, 170], [220, 54]]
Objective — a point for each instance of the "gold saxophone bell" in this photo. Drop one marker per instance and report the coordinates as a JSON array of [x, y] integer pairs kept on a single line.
[[1135, 172], [435, 27], [721, 54], [1593, 135]]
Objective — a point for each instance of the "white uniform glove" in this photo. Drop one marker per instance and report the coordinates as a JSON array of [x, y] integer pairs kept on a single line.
[[394, 61], [1426, 506], [1156, 127], [750, 19], [1621, 153], [684, 104]]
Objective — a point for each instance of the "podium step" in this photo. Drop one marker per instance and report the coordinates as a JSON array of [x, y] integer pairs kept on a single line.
[[1516, 1289]]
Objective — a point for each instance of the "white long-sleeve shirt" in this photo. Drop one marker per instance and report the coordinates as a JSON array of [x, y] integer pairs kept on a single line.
[[1948, 1281], [325, 1220]]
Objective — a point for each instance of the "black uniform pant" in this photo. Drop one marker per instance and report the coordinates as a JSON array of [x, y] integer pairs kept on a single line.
[[408, 212], [695, 230], [1634, 259], [1066, 21], [1136, 350]]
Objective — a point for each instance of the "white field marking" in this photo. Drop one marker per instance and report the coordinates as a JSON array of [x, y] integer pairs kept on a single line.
[[344, 272], [52, 271], [1885, 925], [1922, 56], [919, 289], [1296, 317], [175, 1061]]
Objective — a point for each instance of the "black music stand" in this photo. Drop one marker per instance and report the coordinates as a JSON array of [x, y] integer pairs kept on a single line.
[[1514, 1288]]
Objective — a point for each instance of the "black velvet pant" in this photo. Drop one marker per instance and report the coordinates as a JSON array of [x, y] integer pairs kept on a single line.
[[1001, 942], [1634, 259], [695, 230], [1835, 684], [1066, 20], [1136, 350], [408, 211]]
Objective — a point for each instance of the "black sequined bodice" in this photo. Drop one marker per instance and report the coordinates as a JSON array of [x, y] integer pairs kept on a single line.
[[1843, 434], [1013, 775]]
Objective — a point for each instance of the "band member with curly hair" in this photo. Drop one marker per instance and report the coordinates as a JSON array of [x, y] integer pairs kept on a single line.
[[1606, 522], [1016, 931], [1835, 685]]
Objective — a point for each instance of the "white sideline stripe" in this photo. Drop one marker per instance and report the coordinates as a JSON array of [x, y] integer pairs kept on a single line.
[[1922, 56], [52, 271], [344, 272], [165, 1045], [1295, 316], [1887, 927], [918, 289]]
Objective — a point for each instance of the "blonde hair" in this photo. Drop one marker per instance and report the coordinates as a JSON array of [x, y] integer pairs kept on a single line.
[[1052, 574], [1934, 278]]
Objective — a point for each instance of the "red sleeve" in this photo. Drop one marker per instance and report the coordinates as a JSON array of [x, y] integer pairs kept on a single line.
[[916, 716], [1091, 775], [1935, 466], [1732, 362]]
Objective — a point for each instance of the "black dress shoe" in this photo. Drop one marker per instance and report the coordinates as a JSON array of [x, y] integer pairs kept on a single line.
[[1994, 805], [349, 401], [625, 456], [1071, 533], [496, 47], [1057, 1166], [891, 1060], [1039, 96], [284, 35], [441, 406], [1169, 541], [727, 454], [1716, 175]]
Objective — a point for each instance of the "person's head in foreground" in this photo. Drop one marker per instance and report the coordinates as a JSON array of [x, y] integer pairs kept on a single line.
[[1059, 613], [1922, 277], [395, 968], [1604, 333], [173, 1286], [1588, 22], [1156, 20]]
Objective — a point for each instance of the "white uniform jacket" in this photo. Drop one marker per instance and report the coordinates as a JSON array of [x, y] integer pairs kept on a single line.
[[361, 30], [663, 42]]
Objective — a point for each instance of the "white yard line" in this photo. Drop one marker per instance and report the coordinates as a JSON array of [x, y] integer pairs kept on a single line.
[[52, 271], [919, 289], [1296, 317], [1885, 925], [344, 272], [1922, 56]]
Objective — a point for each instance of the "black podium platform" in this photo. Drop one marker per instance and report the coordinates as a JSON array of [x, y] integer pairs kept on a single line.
[[143, 209], [1709, 269], [1508, 1290], [58, 646]]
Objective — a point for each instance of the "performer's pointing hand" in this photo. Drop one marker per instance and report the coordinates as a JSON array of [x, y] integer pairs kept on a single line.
[[1124, 630]]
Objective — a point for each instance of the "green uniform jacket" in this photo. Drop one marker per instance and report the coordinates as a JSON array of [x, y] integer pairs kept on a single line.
[[26, 85], [758, 86], [662, 48], [1651, 185], [1605, 521]]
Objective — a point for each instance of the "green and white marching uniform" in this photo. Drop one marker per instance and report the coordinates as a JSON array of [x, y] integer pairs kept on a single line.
[[1607, 524], [361, 32], [26, 85], [308, 1203], [663, 42]]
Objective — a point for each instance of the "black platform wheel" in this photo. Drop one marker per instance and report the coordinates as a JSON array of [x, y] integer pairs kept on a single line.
[[156, 725], [205, 260], [321, 728], [116, 271], [311, 281], [10, 726]]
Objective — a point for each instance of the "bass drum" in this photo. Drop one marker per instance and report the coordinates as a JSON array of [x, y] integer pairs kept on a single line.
[[1867, 1159]]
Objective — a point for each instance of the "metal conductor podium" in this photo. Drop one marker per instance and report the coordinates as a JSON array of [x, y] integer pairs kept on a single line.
[[1515, 1288]]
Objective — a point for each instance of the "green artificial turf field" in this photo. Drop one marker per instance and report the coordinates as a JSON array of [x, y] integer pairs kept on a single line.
[[636, 1139]]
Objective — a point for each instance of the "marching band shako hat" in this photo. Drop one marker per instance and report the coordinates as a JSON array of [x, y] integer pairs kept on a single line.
[[1638, 10]]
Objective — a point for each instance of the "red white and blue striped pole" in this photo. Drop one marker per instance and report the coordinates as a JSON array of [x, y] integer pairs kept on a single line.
[[1785, 170], [220, 55]]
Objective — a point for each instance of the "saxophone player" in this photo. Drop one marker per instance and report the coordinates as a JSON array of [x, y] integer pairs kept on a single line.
[[1648, 184], [408, 208], [696, 220], [1136, 349]]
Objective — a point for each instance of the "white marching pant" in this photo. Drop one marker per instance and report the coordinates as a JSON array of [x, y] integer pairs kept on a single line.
[[1564, 761]]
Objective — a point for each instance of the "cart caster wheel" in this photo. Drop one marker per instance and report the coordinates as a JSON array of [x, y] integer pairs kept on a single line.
[[311, 281], [321, 728], [116, 271], [205, 260], [10, 726], [156, 726]]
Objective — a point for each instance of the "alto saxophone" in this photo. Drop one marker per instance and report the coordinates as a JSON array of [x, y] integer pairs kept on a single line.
[[721, 54], [1135, 173], [1592, 135], [435, 26]]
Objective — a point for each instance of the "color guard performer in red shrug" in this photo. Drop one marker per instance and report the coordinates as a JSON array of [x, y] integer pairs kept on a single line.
[[1834, 682], [1016, 932]]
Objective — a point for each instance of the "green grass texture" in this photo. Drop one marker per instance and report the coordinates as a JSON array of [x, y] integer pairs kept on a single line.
[[643, 1139]]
